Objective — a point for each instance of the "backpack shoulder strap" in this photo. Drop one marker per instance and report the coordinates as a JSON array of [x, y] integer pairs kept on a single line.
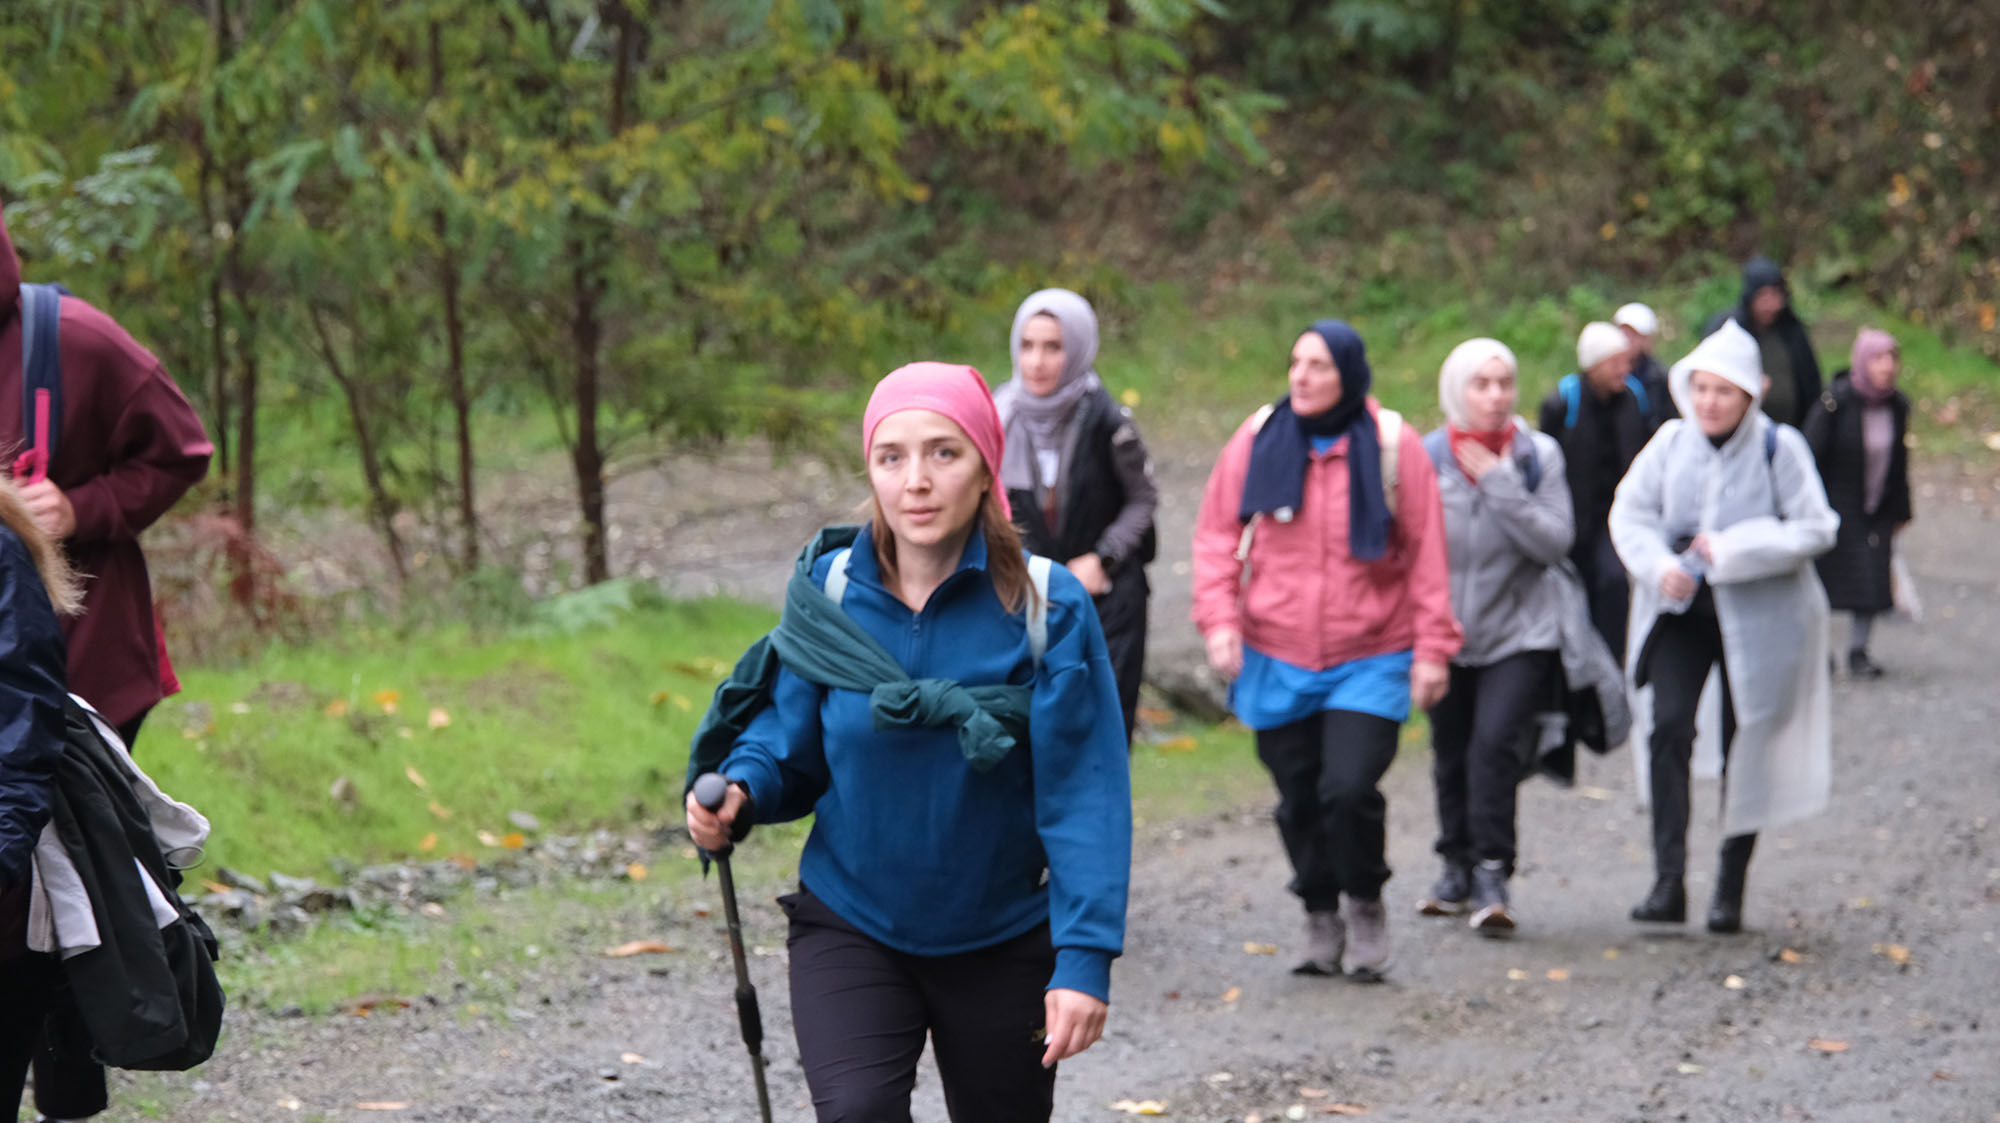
[[1389, 424], [1039, 569], [1570, 386], [1638, 387], [1262, 415], [41, 368], [836, 578], [1531, 465]]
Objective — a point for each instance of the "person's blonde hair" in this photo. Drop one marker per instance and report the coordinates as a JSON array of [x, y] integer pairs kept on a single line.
[[65, 593], [1004, 562]]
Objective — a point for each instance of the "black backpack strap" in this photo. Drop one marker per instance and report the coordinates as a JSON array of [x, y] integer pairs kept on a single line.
[[41, 368]]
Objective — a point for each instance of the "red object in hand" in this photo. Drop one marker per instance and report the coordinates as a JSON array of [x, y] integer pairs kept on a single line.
[[32, 466]]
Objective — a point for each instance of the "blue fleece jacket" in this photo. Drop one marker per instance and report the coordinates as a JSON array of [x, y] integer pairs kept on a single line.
[[910, 844]]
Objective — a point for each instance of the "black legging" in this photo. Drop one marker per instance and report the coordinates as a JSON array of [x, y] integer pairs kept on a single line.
[[1678, 655], [1331, 813], [27, 983], [862, 1011], [1476, 732]]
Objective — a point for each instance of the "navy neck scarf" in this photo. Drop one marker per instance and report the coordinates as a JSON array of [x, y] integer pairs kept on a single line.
[[1282, 451]]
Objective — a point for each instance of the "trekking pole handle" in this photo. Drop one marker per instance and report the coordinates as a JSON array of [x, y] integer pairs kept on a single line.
[[711, 790]]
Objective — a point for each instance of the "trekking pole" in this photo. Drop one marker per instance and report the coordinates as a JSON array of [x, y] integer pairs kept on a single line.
[[710, 791]]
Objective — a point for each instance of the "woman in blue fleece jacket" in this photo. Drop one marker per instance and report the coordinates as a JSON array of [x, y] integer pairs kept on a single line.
[[945, 893]]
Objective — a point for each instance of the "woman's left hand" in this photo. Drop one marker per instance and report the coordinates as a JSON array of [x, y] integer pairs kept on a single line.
[[1089, 569], [1703, 548], [1428, 683], [1075, 1022]]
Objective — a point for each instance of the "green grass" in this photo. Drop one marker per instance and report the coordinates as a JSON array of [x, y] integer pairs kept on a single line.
[[442, 733]]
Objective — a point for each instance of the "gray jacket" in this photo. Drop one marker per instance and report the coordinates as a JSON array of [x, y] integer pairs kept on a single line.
[[1503, 539]]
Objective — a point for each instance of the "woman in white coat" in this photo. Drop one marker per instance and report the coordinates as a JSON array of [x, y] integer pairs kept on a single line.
[[1718, 522]]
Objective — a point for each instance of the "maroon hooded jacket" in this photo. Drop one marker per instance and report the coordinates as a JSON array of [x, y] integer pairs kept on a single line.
[[130, 446]]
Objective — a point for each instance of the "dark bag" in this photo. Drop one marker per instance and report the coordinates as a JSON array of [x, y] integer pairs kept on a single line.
[[147, 996]]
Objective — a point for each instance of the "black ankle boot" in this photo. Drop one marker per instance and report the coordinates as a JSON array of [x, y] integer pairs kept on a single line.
[[1725, 913], [1666, 904]]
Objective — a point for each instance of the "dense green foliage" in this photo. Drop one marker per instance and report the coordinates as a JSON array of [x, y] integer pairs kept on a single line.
[[404, 236]]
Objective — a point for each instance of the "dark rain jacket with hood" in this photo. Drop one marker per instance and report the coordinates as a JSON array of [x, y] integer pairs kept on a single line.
[[1762, 272], [129, 447]]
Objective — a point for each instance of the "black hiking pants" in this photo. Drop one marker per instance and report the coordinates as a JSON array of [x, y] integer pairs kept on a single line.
[[1679, 654], [1331, 814], [1476, 734], [862, 1011], [1122, 614]]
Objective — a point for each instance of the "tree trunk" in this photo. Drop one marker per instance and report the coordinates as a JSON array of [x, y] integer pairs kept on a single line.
[[381, 508], [454, 331], [586, 333]]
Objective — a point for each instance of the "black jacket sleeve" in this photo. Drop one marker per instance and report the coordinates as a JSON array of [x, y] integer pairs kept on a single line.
[[31, 706]]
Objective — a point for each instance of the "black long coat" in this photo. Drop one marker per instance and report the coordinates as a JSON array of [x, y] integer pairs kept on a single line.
[[1856, 570]]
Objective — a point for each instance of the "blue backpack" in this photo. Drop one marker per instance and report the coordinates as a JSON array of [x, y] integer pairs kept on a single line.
[[1571, 389], [41, 379]]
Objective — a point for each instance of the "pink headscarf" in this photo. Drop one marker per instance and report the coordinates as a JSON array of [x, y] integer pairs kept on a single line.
[[1869, 345], [957, 392]]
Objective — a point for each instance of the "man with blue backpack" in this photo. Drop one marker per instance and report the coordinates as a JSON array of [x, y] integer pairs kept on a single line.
[[1601, 416]]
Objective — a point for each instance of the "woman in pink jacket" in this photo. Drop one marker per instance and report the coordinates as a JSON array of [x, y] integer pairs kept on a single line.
[[1321, 587]]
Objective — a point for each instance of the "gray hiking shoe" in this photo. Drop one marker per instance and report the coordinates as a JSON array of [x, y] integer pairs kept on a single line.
[[1490, 913], [1368, 942], [1326, 938]]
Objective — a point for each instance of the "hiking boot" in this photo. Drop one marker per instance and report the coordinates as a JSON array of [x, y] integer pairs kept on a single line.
[[1666, 904], [1859, 665], [1326, 938], [1449, 895], [1725, 912], [1368, 943], [1489, 899]]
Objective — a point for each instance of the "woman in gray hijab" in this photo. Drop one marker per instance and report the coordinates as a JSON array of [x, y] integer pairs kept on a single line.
[[1078, 474]]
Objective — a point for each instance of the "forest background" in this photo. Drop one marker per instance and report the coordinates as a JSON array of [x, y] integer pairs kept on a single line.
[[403, 255]]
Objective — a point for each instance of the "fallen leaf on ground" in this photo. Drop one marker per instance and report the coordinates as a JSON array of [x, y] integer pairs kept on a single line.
[[1260, 949], [1941, 1074], [1687, 1069], [1152, 716], [1178, 745], [1516, 974], [432, 909], [335, 708], [1826, 1046], [1789, 956], [1894, 953], [381, 1105], [1610, 953], [215, 886], [387, 699], [464, 861], [1992, 439], [440, 812], [487, 838], [1232, 994], [1343, 1109], [636, 947], [1599, 794], [632, 1058], [513, 840], [290, 1103], [416, 777], [1141, 1107], [369, 1003], [636, 871], [440, 717], [1558, 974], [239, 708], [1313, 1093], [1734, 982], [1296, 1111], [428, 843], [1861, 903]]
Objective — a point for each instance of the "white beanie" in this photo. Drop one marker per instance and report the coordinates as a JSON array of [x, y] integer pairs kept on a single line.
[[1599, 342], [1638, 317], [1459, 367], [1730, 353]]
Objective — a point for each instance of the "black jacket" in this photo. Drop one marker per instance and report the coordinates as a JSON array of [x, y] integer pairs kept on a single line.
[[1760, 273], [1597, 452], [1108, 464], [31, 723], [1856, 570], [1652, 374]]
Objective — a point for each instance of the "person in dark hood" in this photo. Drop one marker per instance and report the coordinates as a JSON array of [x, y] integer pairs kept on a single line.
[[1765, 310]]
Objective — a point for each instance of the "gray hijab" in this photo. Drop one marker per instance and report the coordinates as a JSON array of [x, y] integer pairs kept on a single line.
[[1040, 423]]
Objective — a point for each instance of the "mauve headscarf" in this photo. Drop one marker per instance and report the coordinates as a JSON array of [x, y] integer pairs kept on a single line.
[[1043, 421], [1878, 421]]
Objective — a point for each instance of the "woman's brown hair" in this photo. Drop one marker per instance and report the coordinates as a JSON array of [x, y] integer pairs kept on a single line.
[[1004, 562], [64, 591]]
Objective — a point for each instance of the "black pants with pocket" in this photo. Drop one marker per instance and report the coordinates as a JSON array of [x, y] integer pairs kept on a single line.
[[1476, 734], [862, 1011], [1679, 653], [1331, 814]]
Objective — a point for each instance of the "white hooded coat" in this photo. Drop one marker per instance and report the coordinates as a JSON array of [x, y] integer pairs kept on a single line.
[[1765, 520]]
